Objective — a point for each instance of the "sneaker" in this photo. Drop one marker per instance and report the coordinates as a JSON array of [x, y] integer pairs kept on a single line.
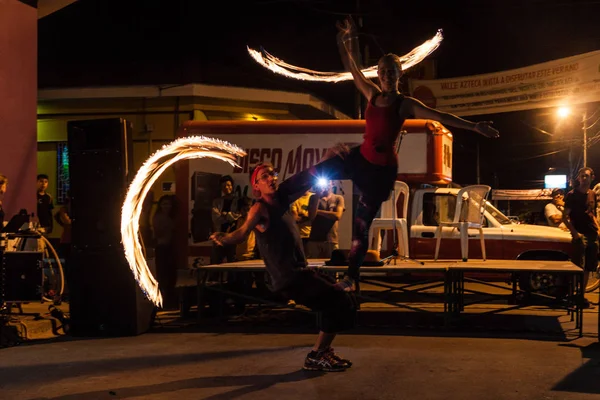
[[337, 357], [322, 361]]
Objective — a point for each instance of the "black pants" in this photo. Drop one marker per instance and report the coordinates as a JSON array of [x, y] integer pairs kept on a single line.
[[375, 183], [316, 291]]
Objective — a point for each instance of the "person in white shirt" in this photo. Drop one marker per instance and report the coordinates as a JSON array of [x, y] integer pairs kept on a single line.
[[554, 210]]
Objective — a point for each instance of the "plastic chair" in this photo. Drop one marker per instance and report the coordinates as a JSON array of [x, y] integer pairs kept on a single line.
[[389, 220], [469, 214]]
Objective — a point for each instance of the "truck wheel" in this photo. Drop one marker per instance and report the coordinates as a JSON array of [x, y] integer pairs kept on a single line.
[[542, 283]]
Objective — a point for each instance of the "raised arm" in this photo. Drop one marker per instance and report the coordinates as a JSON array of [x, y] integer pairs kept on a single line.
[[348, 46], [414, 107], [240, 234]]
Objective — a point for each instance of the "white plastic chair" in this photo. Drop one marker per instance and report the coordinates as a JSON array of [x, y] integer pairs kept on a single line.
[[388, 216], [469, 214]]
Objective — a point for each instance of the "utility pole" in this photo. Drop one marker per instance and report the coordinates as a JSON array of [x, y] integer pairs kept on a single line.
[[584, 138], [357, 96], [478, 172]]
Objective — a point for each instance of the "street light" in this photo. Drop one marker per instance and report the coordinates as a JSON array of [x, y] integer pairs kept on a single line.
[[564, 112]]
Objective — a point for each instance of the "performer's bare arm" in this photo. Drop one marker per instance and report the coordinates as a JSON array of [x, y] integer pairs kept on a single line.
[[413, 107], [255, 215], [347, 44]]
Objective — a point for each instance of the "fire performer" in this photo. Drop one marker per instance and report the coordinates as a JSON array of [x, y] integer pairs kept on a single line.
[[373, 165], [281, 248]]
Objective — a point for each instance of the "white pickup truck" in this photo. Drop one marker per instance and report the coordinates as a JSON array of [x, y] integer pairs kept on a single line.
[[425, 155], [504, 239]]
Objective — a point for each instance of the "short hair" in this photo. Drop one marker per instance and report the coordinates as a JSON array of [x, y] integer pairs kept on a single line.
[[3, 179], [42, 176], [225, 178], [258, 166], [585, 169], [254, 176], [556, 192]]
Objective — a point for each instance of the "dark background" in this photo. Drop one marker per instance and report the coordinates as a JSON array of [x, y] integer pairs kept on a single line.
[[109, 42]]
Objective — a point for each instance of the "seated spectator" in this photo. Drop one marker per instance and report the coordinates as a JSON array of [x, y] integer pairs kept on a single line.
[[554, 210]]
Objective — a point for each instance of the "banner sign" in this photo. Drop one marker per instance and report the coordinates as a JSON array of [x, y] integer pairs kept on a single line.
[[567, 81], [528, 194]]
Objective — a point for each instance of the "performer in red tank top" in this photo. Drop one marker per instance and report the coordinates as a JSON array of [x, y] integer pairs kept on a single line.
[[373, 166], [381, 133]]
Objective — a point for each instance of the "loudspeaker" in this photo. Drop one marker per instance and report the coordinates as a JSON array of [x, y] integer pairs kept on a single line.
[[100, 154], [105, 300], [22, 276]]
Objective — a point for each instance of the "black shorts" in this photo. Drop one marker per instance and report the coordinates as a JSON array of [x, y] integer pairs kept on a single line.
[[316, 291]]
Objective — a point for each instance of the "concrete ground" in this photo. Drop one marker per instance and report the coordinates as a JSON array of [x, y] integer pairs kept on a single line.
[[517, 356]]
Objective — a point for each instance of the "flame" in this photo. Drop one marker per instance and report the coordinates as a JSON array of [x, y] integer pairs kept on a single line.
[[180, 149], [279, 66]]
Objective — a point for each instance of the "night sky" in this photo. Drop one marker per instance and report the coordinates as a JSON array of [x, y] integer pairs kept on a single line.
[[109, 42]]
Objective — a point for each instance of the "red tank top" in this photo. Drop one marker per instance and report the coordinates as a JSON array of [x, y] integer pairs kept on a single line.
[[383, 126]]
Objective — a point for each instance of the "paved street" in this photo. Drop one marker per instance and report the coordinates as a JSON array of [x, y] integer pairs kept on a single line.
[[495, 359]]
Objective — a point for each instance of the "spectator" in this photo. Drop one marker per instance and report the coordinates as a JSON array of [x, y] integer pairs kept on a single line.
[[299, 210], [164, 232], [44, 204], [3, 185], [325, 210], [224, 214], [580, 218], [554, 210]]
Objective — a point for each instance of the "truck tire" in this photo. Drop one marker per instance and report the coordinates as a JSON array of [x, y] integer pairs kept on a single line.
[[543, 282]]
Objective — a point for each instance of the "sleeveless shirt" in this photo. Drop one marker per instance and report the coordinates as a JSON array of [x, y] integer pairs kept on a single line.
[[382, 128], [280, 245]]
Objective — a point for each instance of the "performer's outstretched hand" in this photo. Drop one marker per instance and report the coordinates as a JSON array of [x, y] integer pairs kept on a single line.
[[486, 129], [217, 237], [346, 34]]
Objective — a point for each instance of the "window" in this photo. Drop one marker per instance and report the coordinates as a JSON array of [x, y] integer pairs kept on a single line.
[[438, 207], [62, 172]]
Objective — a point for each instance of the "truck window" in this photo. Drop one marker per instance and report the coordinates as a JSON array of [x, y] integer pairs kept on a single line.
[[443, 205], [438, 207]]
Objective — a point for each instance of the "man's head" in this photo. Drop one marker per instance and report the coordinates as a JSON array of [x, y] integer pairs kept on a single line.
[[557, 195], [585, 176], [323, 187], [42, 183], [226, 182], [263, 180]]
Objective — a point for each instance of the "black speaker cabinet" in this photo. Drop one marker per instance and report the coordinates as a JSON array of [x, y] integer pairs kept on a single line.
[[105, 299], [22, 276], [100, 156]]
